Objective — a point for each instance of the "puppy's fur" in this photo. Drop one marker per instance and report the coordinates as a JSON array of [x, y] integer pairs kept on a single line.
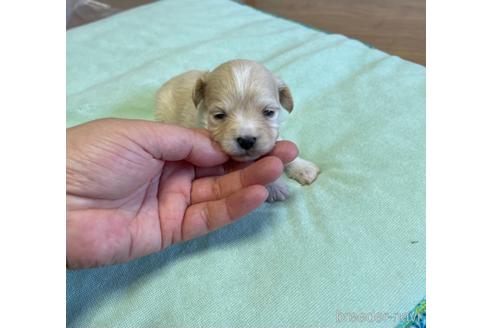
[[239, 103]]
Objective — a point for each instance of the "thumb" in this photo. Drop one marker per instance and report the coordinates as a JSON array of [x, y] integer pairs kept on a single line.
[[168, 142]]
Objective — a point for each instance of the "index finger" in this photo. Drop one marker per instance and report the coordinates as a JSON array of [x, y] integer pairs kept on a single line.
[[263, 172], [285, 150]]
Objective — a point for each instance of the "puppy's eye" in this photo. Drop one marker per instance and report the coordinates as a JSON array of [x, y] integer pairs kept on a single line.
[[219, 116], [268, 112]]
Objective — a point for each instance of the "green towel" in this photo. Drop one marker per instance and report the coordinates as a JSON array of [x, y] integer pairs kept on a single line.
[[353, 243]]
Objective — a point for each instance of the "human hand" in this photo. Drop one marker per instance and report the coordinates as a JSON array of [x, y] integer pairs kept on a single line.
[[136, 187]]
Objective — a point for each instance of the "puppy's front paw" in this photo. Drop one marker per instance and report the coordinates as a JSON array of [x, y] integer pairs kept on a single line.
[[302, 171], [277, 191]]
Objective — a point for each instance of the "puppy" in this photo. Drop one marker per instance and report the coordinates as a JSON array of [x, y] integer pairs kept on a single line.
[[239, 103]]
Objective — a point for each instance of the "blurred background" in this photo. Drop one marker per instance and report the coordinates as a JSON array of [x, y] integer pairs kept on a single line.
[[394, 26]]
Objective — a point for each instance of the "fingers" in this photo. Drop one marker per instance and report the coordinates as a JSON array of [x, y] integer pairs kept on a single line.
[[285, 150], [173, 143], [262, 172], [208, 216]]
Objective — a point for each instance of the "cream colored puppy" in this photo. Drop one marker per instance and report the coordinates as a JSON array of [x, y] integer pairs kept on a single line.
[[239, 103]]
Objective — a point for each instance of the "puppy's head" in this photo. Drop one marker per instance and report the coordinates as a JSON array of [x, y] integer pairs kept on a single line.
[[242, 100]]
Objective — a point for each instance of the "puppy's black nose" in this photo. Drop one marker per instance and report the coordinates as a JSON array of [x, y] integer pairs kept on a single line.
[[246, 142]]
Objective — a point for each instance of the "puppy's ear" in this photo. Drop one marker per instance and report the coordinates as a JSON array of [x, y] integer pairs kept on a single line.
[[199, 90], [284, 95]]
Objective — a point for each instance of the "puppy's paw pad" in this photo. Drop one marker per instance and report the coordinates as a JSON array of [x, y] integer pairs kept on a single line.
[[304, 174], [277, 191]]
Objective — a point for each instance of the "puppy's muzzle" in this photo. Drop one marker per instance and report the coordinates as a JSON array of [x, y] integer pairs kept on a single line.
[[246, 142]]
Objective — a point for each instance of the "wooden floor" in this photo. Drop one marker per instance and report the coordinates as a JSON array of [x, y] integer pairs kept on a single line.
[[394, 26]]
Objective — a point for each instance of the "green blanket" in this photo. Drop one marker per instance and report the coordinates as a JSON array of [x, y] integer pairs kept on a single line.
[[336, 253]]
